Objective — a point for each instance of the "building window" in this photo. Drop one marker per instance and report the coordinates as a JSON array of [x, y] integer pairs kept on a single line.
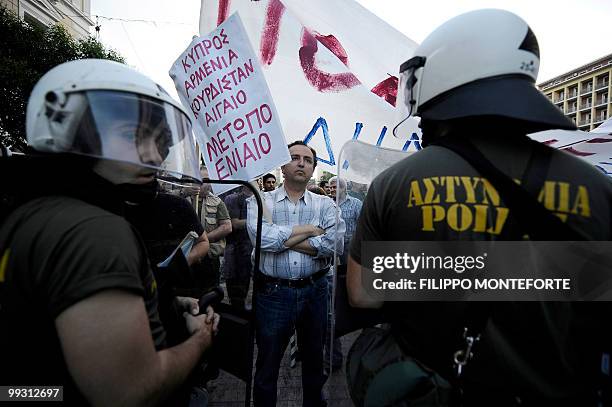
[[33, 21]]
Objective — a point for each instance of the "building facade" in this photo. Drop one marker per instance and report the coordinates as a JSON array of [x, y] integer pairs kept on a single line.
[[74, 15], [583, 94]]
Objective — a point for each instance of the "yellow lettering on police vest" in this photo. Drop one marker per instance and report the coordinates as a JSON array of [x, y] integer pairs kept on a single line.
[[431, 195], [489, 193], [415, 196], [547, 195], [500, 220], [470, 184], [431, 215], [564, 197], [460, 217], [459, 222], [4, 265], [450, 183], [581, 204], [480, 218]]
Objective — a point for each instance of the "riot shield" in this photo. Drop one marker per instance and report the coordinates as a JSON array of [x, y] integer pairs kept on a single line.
[[223, 278], [359, 163]]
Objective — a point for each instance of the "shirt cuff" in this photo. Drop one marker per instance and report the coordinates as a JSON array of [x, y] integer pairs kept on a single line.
[[284, 233], [316, 242]]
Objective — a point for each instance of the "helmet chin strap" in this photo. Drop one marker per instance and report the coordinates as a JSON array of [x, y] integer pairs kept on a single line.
[[412, 102], [139, 194], [402, 122]]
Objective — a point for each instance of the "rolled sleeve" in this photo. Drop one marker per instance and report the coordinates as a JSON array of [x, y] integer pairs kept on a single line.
[[325, 243], [273, 237]]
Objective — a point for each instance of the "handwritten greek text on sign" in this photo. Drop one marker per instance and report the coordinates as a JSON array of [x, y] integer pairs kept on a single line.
[[219, 80]]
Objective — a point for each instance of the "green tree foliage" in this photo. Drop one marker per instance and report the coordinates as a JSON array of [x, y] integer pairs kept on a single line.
[[26, 53], [326, 176]]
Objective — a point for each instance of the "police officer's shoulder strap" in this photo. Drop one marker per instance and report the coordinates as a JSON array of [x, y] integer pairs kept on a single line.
[[534, 219]]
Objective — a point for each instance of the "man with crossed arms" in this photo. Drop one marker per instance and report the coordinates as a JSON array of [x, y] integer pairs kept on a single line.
[[290, 286]]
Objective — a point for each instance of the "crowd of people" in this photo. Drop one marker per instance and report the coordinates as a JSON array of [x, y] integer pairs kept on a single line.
[[101, 271]]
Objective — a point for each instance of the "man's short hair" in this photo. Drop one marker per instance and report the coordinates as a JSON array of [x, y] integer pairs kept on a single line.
[[268, 175], [340, 182], [322, 183], [301, 143]]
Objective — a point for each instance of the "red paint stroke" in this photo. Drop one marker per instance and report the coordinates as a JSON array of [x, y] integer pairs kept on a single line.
[[322, 81], [600, 140], [549, 142], [224, 6], [269, 34], [332, 44], [578, 153], [387, 90]]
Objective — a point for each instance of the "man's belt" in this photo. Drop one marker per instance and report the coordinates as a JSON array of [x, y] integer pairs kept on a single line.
[[292, 283]]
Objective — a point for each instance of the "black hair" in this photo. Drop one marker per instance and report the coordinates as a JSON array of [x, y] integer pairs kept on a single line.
[[301, 143], [268, 175]]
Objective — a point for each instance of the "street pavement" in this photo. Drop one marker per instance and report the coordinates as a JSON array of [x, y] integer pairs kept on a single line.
[[228, 391]]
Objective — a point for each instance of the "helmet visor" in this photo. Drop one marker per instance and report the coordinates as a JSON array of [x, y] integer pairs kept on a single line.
[[135, 129], [406, 93]]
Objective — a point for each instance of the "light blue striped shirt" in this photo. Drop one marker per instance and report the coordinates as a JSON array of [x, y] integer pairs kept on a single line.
[[311, 209], [351, 208]]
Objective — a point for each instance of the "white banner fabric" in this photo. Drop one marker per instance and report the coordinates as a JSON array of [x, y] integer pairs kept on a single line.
[[331, 67]]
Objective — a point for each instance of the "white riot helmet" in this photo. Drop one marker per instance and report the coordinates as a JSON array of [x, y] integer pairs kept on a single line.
[[106, 110], [481, 63]]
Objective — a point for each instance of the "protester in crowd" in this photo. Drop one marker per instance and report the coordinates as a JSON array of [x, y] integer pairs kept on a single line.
[[217, 224], [78, 301], [325, 185], [291, 288], [269, 182], [188, 191], [529, 353], [350, 208], [237, 266], [357, 190]]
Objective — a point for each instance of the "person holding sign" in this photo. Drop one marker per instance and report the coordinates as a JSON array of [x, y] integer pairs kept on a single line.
[[291, 288]]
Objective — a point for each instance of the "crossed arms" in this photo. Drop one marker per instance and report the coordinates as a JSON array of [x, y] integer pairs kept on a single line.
[[313, 240]]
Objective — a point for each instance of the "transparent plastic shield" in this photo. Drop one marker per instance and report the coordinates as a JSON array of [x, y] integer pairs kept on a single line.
[[359, 164], [127, 127], [223, 278]]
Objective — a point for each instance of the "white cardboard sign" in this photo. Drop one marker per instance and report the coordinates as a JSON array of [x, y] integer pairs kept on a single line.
[[220, 82]]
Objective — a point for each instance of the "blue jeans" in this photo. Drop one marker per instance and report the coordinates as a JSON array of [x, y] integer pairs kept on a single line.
[[278, 311]]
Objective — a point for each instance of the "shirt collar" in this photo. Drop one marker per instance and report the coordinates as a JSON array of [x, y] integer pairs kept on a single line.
[[281, 193]]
